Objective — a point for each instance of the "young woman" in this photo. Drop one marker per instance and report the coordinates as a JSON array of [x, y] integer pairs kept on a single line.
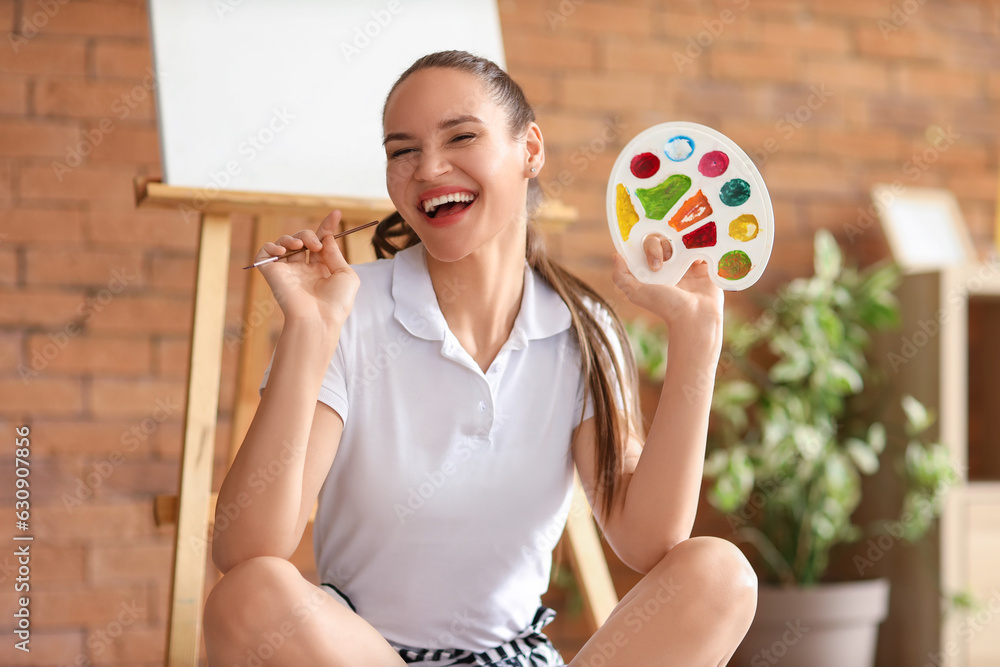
[[458, 385]]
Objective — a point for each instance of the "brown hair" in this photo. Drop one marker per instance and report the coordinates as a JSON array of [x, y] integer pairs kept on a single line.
[[603, 374]]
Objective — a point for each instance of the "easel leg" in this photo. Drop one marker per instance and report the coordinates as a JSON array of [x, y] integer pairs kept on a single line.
[[254, 339], [198, 453]]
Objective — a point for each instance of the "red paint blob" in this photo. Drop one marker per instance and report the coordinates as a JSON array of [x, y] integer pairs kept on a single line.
[[645, 165], [713, 163], [703, 237]]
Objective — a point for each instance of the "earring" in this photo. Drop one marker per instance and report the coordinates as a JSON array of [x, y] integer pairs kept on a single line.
[[532, 170]]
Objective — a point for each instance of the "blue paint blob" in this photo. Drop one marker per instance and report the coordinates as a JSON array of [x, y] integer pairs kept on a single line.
[[679, 148]]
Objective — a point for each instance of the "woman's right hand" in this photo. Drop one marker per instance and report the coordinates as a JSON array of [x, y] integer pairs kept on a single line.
[[320, 289]]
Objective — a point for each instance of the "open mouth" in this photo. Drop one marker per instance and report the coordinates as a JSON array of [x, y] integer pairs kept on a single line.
[[450, 204]]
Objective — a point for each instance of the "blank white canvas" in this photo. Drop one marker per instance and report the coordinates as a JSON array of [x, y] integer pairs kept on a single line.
[[286, 96]]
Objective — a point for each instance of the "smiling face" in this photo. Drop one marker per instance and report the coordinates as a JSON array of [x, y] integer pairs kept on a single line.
[[454, 172]]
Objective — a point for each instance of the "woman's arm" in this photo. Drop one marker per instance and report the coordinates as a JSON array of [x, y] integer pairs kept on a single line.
[[269, 492], [662, 479]]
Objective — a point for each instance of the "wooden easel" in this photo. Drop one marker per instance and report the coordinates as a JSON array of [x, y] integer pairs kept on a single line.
[[194, 507]]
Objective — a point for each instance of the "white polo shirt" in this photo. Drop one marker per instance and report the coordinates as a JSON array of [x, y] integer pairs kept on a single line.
[[451, 486]]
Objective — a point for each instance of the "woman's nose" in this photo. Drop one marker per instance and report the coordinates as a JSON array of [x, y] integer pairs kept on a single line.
[[430, 166]]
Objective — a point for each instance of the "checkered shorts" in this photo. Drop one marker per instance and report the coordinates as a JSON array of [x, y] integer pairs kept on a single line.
[[529, 649]]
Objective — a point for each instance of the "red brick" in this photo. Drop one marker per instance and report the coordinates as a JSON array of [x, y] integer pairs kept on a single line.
[[133, 561], [538, 88], [7, 8], [82, 183], [11, 345], [13, 95], [608, 93], [142, 645], [30, 139], [805, 36], [8, 267], [127, 143], [548, 50], [94, 18], [748, 66], [137, 398], [174, 274], [565, 129], [786, 175], [882, 144], [116, 101], [650, 57], [973, 184], [937, 83], [864, 9], [47, 648], [911, 42], [115, 271], [959, 17], [993, 85], [515, 15], [129, 60], [93, 438], [602, 19], [128, 314], [138, 478], [93, 607], [52, 227], [695, 31], [104, 523], [51, 565], [40, 396], [91, 355], [45, 55], [115, 225], [171, 357], [41, 307], [6, 182], [842, 75]]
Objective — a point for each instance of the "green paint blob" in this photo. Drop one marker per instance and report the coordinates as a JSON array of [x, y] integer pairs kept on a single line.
[[658, 200], [734, 265], [735, 192]]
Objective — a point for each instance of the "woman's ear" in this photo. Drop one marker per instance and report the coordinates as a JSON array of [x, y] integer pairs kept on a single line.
[[534, 147]]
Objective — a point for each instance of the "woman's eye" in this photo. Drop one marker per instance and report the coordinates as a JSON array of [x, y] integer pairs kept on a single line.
[[463, 137], [400, 153]]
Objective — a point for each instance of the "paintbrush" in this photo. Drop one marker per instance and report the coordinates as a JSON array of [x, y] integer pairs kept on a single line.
[[336, 236]]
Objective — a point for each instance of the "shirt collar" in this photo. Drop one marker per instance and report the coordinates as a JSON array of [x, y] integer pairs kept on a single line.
[[543, 313]]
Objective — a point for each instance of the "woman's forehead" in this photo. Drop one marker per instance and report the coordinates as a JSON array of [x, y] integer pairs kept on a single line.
[[433, 96]]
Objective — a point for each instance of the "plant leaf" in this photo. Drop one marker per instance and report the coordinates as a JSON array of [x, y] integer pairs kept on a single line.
[[863, 456], [827, 259]]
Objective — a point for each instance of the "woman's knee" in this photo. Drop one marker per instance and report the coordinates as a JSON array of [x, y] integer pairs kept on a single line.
[[720, 573], [254, 585]]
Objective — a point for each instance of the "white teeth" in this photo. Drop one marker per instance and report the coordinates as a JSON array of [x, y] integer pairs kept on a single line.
[[430, 204]]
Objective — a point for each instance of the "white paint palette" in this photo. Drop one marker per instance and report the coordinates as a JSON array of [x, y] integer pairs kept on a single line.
[[697, 188]]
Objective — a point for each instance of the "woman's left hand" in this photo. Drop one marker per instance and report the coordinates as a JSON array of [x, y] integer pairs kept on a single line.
[[695, 301]]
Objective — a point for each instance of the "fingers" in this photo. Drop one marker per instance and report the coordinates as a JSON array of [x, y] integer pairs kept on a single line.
[[330, 224], [658, 249]]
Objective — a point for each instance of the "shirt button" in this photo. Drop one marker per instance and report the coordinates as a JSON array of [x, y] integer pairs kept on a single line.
[[482, 406]]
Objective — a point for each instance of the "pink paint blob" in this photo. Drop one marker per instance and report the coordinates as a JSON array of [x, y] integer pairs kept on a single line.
[[645, 165], [713, 163]]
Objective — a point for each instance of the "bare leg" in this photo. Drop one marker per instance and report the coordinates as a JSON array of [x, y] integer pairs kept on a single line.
[[692, 610], [264, 612]]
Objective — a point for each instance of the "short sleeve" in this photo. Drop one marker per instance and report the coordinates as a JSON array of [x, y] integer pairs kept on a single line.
[[603, 318], [333, 391]]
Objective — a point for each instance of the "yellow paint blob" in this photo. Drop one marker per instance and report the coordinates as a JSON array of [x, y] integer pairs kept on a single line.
[[627, 217], [744, 228]]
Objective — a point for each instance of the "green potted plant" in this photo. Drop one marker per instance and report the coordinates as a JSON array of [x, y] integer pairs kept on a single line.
[[788, 452]]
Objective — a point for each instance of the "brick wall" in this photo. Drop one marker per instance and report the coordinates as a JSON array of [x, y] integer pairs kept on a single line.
[[95, 296]]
